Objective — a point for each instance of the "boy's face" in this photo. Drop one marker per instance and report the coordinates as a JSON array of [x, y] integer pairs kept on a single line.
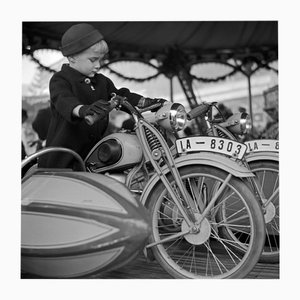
[[89, 61]]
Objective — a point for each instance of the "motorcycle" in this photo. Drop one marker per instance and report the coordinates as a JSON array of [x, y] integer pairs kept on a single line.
[[206, 222], [262, 158]]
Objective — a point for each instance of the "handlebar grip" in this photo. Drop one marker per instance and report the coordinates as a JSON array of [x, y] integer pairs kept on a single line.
[[198, 111], [149, 108], [91, 119]]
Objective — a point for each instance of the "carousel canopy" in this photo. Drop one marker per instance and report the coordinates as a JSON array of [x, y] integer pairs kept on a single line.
[[175, 46], [197, 41]]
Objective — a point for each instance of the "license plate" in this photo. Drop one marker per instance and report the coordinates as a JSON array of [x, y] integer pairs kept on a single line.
[[262, 145], [212, 144]]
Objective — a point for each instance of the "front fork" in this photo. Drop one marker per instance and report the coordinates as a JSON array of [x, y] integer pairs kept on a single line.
[[267, 206], [157, 151], [256, 188]]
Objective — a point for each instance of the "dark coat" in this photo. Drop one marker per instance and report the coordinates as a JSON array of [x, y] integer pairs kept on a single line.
[[68, 89]]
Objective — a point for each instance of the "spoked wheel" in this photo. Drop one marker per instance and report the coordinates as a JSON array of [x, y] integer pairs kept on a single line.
[[267, 172], [203, 250]]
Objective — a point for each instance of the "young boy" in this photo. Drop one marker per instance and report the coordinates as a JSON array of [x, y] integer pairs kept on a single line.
[[79, 90]]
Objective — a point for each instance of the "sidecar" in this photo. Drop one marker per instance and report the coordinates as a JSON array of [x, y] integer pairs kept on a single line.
[[77, 223]]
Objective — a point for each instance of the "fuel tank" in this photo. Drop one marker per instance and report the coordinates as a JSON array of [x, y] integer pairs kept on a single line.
[[115, 152], [75, 224]]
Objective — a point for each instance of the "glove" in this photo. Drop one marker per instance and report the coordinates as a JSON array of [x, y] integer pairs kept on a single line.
[[145, 102], [100, 108]]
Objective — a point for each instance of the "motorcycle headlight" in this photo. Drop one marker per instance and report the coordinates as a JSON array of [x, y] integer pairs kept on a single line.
[[246, 123], [172, 117], [239, 123]]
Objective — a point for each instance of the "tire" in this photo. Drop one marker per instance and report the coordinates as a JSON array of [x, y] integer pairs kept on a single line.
[[267, 172], [208, 253]]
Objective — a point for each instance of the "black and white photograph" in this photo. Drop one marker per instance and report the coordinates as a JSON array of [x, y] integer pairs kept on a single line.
[[180, 169], [150, 151]]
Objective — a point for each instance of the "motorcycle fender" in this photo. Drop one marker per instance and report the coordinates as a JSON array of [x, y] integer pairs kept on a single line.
[[204, 158], [262, 156]]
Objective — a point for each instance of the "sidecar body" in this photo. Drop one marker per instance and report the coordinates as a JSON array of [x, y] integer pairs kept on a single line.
[[75, 224]]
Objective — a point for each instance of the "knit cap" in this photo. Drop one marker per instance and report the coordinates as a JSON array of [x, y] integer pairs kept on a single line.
[[78, 38]]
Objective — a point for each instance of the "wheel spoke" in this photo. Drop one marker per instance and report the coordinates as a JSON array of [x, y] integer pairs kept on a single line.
[[221, 202], [196, 195], [169, 238], [229, 250], [218, 262]]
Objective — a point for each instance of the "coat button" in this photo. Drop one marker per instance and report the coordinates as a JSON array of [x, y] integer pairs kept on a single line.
[[91, 136]]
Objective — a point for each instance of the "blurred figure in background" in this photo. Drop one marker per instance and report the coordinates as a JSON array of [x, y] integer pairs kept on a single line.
[[272, 128], [24, 119], [242, 109], [28, 141], [29, 136], [41, 124]]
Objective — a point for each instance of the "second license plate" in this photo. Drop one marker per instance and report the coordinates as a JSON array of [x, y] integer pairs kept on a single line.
[[262, 145]]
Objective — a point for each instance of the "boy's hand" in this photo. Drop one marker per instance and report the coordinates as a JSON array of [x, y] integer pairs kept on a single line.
[[99, 107]]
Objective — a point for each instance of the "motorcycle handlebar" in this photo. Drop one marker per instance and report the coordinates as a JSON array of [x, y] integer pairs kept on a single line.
[[198, 111], [117, 100], [114, 102], [149, 108]]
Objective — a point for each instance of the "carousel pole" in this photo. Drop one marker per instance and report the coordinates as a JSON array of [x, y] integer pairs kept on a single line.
[[250, 100], [248, 73], [171, 89]]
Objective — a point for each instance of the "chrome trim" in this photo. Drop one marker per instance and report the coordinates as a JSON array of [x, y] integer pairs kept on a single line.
[[175, 108], [52, 149]]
